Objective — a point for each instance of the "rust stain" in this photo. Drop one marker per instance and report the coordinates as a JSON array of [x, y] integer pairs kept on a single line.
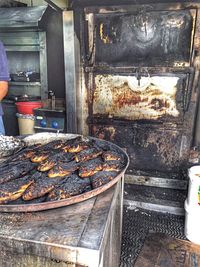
[[125, 96], [107, 133], [117, 96]]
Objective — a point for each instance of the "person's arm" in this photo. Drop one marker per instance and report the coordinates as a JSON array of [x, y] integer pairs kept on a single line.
[[3, 89], [4, 74]]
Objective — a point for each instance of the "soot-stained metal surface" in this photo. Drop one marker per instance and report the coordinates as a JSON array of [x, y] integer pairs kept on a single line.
[[150, 148], [122, 96], [146, 38], [136, 226], [150, 114]]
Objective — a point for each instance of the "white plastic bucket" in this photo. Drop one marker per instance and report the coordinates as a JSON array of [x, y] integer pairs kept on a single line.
[[192, 226], [26, 124], [193, 199]]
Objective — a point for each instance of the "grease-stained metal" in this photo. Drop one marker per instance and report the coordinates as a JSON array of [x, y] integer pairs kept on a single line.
[[121, 96]]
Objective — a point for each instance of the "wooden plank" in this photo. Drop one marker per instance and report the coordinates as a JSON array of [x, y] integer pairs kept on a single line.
[[164, 251]]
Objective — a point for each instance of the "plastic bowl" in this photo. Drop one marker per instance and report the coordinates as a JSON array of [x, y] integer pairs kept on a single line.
[[27, 107]]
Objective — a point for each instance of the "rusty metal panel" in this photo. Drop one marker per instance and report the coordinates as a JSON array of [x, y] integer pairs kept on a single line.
[[122, 97], [150, 148]]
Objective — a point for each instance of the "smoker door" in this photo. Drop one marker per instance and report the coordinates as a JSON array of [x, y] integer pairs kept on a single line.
[[160, 97], [150, 147], [153, 38], [153, 122]]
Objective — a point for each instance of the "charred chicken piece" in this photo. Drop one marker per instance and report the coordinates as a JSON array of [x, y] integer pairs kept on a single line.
[[111, 155], [51, 161], [40, 156], [88, 154], [111, 165], [51, 149], [63, 169], [90, 167], [16, 171], [70, 186], [47, 150], [76, 147], [14, 189], [101, 178], [46, 165], [55, 144], [23, 154], [70, 142], [39, 188]]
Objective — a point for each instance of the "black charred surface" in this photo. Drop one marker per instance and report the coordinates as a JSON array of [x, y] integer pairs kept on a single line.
[[54, 159], [112, 165], [149, 39], [111, 155], [11, 191], [101, 178], [23, 154], [71, 186], [88, 154], [63, 169], [149, 147], [14, 186], [79, 146], [87, 168], [39, 188], [16, 171]]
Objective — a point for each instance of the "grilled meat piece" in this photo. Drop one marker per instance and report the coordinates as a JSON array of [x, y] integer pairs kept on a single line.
[[88, 154], [14, 189], [53, 160], [63, 169], [70, 186], [111, 155], [70, 142], [47, 150], [40, 156], [76, 146], [102, 177], [111, 165], [16, 171], [55, 144], [39, 188], [46, 165], [23, 154], [90, 167]]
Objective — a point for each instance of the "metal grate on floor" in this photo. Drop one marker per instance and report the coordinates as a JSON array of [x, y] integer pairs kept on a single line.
[[138, 223]]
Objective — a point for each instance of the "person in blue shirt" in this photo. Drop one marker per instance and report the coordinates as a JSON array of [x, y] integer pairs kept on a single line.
[[4, 78]]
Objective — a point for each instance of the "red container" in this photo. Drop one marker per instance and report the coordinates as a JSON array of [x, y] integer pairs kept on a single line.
[[27, 107]]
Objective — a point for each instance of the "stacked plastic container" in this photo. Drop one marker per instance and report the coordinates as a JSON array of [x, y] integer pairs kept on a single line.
[[192, 206]]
